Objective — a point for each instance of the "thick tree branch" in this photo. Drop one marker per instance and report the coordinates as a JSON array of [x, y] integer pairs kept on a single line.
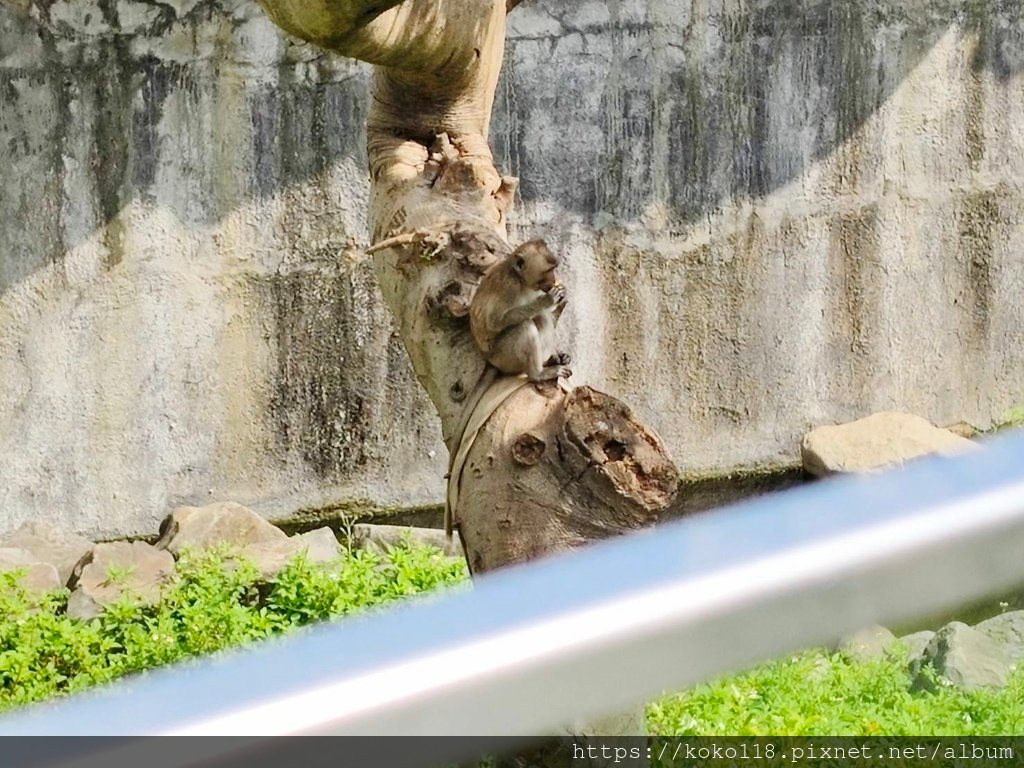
[[551, 469]]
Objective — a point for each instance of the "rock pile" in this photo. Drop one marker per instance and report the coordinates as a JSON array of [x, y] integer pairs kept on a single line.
[[111, 571], [978, 657], [958, 655], [100, 574]]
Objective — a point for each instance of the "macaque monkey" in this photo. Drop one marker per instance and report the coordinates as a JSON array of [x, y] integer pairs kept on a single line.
[[512, 318], [514, 312]]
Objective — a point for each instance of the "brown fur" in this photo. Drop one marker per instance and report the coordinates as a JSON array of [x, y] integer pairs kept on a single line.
[[512, 318], [514, 313]]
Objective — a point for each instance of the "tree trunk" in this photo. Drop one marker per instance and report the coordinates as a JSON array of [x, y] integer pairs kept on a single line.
[[551, 467], [541, 468]]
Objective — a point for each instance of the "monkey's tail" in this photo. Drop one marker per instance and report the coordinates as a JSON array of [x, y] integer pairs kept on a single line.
[[487, 378]]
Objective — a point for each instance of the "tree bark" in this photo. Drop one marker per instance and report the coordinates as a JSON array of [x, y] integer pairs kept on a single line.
[[552, 467], [544, 468]]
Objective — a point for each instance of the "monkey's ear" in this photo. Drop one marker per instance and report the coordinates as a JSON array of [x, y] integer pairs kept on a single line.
[[518, 262]]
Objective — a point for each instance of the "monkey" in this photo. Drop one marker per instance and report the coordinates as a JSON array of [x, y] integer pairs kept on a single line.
[[514, 312], [512, 318]]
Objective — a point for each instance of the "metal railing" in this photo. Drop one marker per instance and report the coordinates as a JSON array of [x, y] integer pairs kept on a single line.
[[530, 649]]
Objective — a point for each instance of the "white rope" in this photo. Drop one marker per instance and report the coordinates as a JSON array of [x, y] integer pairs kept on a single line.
[[501, 389]]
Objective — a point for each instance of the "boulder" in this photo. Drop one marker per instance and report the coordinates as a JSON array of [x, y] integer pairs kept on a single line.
[[916, 642], [270, 557], [1008, 631], [221, 523], [321, 545], [381, 538], [117, 570], [963, 656], [867, 644], [50, 544], [39, 577], [876, 442]]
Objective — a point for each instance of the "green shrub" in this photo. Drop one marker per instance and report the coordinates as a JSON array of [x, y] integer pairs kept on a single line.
[[214, 603], [819, 694]]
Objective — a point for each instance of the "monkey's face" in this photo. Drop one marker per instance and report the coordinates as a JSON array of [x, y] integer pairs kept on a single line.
[[536, 266], [545, 280]]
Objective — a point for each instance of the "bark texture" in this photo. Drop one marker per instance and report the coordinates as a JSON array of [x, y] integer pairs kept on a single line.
[[553, 467]]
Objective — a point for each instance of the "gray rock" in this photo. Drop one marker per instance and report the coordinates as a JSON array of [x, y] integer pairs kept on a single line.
[[867, 644], [381, 538], [117, 570], [39, 576], [963, 656], [821, 669], [876, 442], [1008, 631], [322, 545], [271, 557], [916, 642], [56, 546], [220, 523]]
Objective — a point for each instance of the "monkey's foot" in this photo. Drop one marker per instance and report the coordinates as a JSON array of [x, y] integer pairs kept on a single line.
[[552, 373], [559, 358]]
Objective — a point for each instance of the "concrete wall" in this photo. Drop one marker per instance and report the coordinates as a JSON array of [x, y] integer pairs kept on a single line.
[[776, 214], [789, 213]]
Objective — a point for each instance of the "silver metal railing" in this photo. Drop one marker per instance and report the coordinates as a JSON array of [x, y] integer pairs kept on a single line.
[[529, 649]]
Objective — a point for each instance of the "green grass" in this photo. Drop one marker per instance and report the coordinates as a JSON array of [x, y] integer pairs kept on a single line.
[[1013, 418], [819, 694], [211, 607]]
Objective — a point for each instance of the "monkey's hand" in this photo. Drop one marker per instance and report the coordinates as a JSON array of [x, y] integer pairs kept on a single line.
[[558, 297]]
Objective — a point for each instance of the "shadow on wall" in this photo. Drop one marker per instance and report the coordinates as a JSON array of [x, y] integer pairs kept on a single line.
[[198, 107], [684, 116], [705, 102], [213, 171]]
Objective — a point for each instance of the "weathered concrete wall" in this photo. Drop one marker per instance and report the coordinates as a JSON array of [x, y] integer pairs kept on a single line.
[[779, 213], [776, 214], [184, 314]]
